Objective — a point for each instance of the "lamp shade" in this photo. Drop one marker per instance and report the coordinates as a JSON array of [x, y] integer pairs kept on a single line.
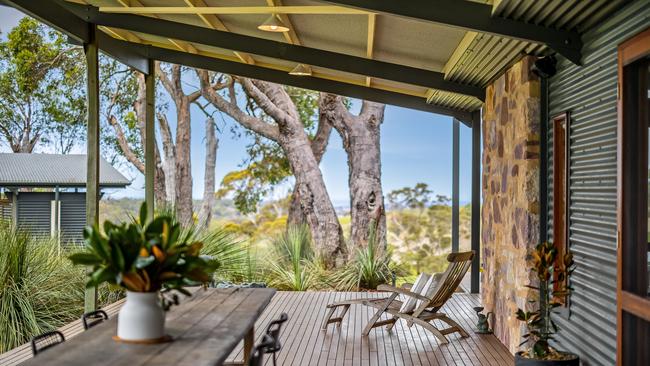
[[301, 70], [273, 24]]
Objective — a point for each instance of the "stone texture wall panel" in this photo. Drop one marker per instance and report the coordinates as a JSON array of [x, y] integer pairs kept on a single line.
[[510, 212]]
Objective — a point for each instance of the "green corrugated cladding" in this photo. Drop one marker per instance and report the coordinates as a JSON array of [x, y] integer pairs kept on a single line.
[[589, 94]]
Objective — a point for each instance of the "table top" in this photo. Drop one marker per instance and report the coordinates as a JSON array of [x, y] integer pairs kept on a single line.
[[205, 329]]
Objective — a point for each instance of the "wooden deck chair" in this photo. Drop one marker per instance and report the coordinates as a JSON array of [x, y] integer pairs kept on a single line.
[[422, 301]]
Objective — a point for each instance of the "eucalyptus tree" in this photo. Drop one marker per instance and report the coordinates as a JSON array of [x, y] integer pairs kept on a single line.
[[123, 91], [283, 124], [361, 141], [42, 99]]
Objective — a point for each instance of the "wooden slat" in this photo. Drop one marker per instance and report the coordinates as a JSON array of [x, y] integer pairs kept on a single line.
[[304, 343], [205, 330]]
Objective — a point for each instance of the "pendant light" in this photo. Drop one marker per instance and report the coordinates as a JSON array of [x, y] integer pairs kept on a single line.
[[273, 24]]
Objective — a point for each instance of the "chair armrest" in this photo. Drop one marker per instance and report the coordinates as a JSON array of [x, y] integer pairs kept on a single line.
[[402, 291], [407, 286]]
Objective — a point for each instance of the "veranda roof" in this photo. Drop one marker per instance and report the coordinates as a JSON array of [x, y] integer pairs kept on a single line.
[[432, 55], [51, 170]]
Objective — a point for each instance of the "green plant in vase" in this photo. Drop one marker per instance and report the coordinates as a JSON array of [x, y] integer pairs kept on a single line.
[[552, 274], [147, 258]]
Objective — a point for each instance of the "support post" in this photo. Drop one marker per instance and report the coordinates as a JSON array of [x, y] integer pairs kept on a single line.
[[92, 155], [57, 218], [543, 168], [455, 186], [150, 138], [476, 203], [14, 207]]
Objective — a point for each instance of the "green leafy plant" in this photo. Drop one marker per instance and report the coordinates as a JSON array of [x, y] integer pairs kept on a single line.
[[143, 256], [552, 274], [291, 262], [40, 290], [370, 267]]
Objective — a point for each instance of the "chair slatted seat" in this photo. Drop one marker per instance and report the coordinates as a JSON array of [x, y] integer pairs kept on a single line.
[[440, 287]]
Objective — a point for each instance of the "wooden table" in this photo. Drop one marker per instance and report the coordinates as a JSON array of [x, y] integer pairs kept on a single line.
[[206, 328]]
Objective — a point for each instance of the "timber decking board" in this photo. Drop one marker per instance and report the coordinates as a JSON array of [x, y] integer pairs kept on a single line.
[[304, 343], [206, 329]]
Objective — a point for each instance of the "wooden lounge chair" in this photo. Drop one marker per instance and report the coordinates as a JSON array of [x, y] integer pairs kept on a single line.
[[423, 301]]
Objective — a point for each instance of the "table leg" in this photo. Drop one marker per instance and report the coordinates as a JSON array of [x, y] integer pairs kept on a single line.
[[249, 341]]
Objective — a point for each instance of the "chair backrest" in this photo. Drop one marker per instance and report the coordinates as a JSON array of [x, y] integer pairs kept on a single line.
[[459, 263], [273, 331], [257, 355], [93, 318], [46, 340]]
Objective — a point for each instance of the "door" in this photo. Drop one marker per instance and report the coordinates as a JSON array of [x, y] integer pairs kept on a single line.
[[633, 300]]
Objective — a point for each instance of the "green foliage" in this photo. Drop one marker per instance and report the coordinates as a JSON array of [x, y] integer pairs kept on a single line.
[[144, 256], [291, 262], [40, 289], [419, 227], [42, 98], [232, 254], [370, 267], [553, 274]]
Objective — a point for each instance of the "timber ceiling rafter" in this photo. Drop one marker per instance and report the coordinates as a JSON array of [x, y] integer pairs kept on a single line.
[[474, 16], [274, 49], [212, 21]]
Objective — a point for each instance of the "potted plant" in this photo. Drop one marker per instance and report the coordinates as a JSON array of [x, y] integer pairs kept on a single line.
[[552, 275], [147, 259]]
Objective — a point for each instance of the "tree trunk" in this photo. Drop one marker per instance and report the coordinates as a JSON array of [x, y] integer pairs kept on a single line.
[[318, 146], [169, 163], [183, 162], [315, 202], [361, 141], [290, 134], [141, 113], [211, 144]]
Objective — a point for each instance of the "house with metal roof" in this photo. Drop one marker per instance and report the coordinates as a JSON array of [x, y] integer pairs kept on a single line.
[[556, 93], [44, 193]]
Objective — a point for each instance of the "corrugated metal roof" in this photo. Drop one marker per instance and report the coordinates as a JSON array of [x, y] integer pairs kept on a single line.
[[465, 57], [47, 170]]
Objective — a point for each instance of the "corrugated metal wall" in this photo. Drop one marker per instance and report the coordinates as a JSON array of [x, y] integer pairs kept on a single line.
[[73, 217], [589, 94], [34, 213]]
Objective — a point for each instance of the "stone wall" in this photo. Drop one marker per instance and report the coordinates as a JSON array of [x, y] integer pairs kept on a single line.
[[510, 226]]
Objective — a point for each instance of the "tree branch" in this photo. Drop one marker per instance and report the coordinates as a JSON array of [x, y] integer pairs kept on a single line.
[[124, 145], [264, 102], [255, 124], [321, 138]]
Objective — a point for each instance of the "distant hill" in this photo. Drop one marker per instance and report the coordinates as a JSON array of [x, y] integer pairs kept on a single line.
[[121, 209]]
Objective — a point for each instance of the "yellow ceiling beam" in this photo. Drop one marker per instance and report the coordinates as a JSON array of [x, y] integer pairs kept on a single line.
[[291, 36], [459, 52], [212, 21], [372, 19], [222, 10]]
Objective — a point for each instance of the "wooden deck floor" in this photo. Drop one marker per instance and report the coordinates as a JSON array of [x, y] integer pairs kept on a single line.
[[304, 343]]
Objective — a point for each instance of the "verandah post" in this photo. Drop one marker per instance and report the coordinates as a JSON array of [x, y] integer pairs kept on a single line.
[[476, 202], [92, 154], [150, 138], [455, 186]]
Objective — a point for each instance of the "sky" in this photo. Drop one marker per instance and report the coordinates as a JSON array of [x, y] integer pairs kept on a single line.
[[415, 147]]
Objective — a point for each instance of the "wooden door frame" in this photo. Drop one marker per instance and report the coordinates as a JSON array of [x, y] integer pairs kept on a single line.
[[629, 51], [561, 197]]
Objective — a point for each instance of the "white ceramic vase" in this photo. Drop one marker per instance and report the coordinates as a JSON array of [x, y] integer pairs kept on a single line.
[[141, 317]]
